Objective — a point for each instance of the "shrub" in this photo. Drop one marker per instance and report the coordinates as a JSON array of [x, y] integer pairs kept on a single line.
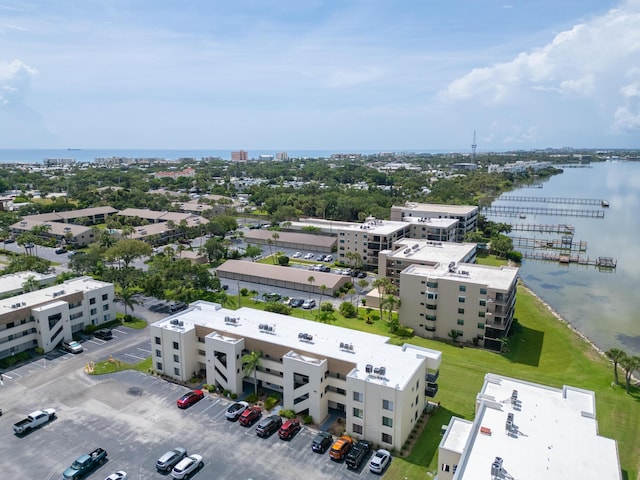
[[326, 307], [288, 413], [348, 310], [252, 398], [127, 318], [283, 260], [280, 308], [271, 402], [89, 329], [244, 291], [234, 396], [307, 419], [39, 351], [226, 392]]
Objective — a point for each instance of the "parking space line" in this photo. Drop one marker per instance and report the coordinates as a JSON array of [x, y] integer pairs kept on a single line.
[[134, 356], [212, 404], [101, 342], [144, 350], [120, 331]]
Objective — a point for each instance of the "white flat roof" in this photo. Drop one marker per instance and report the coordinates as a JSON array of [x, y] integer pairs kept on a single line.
[[419, 250], [457, 434], [555, 435], [15, 281], [432, 222], [375, 226], [400, 363], [499, 278], [438, 208]]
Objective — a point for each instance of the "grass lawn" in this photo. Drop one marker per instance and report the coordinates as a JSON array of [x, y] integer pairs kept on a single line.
[[543, 350], [107, 366]]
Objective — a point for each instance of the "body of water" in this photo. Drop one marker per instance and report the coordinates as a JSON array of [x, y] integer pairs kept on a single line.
[[603, 305]]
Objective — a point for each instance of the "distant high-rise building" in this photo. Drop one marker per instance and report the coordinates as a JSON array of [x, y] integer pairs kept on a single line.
[[282, 156], [240, 156]]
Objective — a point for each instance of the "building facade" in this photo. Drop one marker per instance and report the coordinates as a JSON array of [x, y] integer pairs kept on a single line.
[[467, 215], [477, 302], [44, 318], [381, 388], [528, 431]]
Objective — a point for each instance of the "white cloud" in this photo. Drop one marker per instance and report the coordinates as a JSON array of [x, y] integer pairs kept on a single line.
[[15, 78]]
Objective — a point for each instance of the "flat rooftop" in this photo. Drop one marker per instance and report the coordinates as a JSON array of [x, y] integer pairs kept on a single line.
[[438, 208], [499, 278], [371, 225], [432, 222], [15, 281], [400, 363], [554, 434], [419, 250]]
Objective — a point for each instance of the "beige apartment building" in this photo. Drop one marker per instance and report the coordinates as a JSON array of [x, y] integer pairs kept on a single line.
[[44, 318], [381, 389], [467, 215], [442, 295]]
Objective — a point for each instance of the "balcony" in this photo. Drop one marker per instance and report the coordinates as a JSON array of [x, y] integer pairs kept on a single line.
[[432, 376], [431, 390]]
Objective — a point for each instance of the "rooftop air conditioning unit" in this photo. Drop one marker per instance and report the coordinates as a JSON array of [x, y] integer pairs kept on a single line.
[[368, 368]]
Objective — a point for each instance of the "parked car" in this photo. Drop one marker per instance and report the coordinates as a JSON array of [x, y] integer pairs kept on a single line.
[[340, 448], [34, 420], [308, 256], [103, 334], [272, 297], [72, 346], [358, 454], [189, 398], [249, 416], [269, 425], [187, 466], [309, 304], [296, 302], [328, 258], [235, 410], [379, 461], [289, 429], [324, 268], [119, 475], [84, 464], [296, 255], [60, 250], [9, 240], [321, 442], [177, 306], [320, 258], [167, 461]]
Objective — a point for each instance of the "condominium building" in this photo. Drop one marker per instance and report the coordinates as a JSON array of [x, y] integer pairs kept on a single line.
[[467, 215], [44, 318], [381, 388], [528, 431], [443, 296], [239, 156]]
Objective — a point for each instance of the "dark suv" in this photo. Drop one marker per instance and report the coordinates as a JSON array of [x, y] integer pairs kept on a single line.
[[103, 334], [269, 425], [321, 442]]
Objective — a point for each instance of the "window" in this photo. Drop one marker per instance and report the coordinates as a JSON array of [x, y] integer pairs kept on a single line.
[[357, 429], [386, 438], [176, 346], [358, 413], [159, 353], [432, 284], [94, 311], [176, 371], [461, 311], [483, 291], [387, 405], [105, 307], [158, 365], [387, 422], [461, 299], [460, 321], [105, 297], [92, 301], [483, 302], [432, 296], [462, 288], [480, 325], [158, 341], [481, 314], [358, 397], [176, 358], [445, 467]]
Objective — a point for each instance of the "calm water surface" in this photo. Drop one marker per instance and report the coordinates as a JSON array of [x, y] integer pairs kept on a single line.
[[605, 306]]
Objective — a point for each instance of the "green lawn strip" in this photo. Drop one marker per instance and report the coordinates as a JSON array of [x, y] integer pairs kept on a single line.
[[112, 365], [135, 323]]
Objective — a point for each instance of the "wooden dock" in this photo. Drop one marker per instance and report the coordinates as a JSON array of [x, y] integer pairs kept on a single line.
[[543, 228], [566, 243], [603, 263], [558, 200], [504, 210]]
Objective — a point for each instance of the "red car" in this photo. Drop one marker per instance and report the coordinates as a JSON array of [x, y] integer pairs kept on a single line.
[[249, 416], [289, 429], [190, 398]]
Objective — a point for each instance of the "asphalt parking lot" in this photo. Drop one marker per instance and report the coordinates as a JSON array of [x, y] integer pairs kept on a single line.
[[134, 417]]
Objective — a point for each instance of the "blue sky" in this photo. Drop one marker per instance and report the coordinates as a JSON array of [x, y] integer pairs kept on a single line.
[[313, 74]]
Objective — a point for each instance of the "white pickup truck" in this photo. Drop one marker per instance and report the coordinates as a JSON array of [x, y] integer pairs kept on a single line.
[[34, 420]]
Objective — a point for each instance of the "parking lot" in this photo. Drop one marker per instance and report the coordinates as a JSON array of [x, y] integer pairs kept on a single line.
[[134, 417]]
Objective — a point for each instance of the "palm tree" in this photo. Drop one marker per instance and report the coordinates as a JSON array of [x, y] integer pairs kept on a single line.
[[382, 284], [30, 284], [615, 355], [250, 364], [127, 296], [629, 364], [323, 287], [454, 334], [390, 302], [311, 281]]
